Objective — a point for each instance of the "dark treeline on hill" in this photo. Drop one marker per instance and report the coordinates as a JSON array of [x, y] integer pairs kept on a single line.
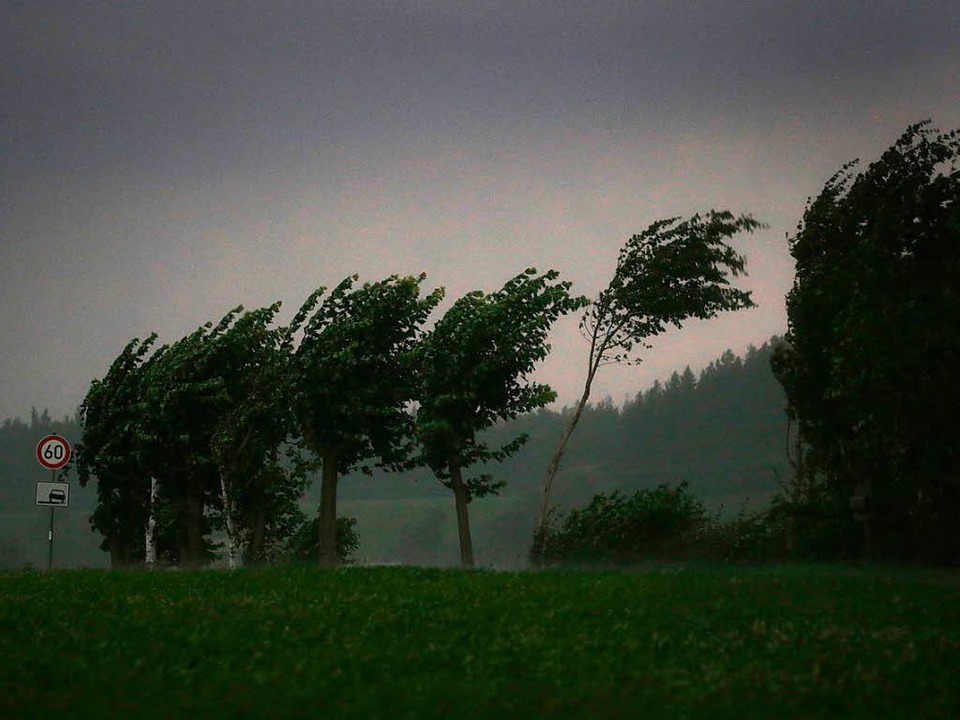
[[23, 525], [18, 461]]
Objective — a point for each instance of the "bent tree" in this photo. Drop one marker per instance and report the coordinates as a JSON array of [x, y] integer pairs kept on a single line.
[[112, 449], [472, 373], [181, 398], [197, 424], [353, 379], [669, 273], [250, 423]]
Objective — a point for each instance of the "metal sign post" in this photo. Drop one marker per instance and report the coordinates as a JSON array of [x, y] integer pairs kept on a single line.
[[53, 478], [53, 452]]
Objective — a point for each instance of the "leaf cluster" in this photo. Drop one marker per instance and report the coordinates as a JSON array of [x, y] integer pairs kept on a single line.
[[303, 544], [672, 271], [352, 371], [474, 369]]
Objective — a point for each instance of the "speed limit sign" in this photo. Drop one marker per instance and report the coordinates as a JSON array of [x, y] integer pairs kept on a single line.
[[53, 452]]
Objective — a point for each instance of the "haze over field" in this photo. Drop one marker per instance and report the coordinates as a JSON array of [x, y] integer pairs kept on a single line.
[[166, 161]]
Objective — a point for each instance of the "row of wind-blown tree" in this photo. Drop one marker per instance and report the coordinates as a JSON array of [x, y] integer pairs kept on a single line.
[[196, 424], [866, 369], [190, 437]]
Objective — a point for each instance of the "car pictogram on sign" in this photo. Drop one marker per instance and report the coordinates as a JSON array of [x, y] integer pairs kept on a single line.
[[53, 494]]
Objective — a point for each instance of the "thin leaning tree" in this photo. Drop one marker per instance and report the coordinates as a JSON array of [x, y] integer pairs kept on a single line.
[[672, 271]]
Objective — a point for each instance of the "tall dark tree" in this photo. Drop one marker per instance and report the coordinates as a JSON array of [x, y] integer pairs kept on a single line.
[[181, 405], [250, 360], [113, 449], [473, 367], [354, 378], [874, 349], [671, 272]]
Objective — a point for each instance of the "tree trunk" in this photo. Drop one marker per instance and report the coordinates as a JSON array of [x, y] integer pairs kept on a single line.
[[183, 531], [119, 552], [328, 510], [539, 534], [190, 527], [233, 551], [869, 525], [150, 533], [258, 528], [461, 498]]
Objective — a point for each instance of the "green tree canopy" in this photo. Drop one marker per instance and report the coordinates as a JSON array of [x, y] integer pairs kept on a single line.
[[112, 449], [253, 420], [354, 379], [474, 370], [204, 417]]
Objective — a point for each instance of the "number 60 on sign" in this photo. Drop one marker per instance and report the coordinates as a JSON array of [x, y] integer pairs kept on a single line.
[[53, 452]]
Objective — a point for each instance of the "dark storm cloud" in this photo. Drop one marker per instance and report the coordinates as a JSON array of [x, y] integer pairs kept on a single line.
[[90, 85]]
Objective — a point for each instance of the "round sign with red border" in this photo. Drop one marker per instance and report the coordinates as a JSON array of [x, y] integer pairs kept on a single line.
[[53, 452]]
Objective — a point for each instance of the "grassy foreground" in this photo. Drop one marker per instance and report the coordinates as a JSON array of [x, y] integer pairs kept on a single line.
[[412, 643]]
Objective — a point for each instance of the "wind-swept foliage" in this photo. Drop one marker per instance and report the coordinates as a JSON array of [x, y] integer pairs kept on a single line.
[[354, 378], [650, 524], [201, 421], [113, 448], [303, 544], [474, 367], [873, 347], [672, 271], [183, 399], [253, 421]]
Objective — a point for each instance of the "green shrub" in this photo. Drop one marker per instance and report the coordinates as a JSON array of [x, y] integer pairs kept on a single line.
[[671, 524], [304, 544], [650, 524], [753, 536], [785, 530]]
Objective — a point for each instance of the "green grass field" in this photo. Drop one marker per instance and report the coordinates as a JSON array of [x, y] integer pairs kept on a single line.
[[368, 642]]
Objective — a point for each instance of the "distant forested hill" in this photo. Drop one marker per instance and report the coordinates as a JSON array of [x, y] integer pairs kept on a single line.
[[19, 468], [723, 432]]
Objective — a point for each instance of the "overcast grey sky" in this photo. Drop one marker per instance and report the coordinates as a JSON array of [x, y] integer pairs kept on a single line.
[[164, 161]]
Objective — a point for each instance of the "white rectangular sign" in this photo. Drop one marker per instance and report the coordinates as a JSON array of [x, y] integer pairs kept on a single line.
[[53, 494]]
